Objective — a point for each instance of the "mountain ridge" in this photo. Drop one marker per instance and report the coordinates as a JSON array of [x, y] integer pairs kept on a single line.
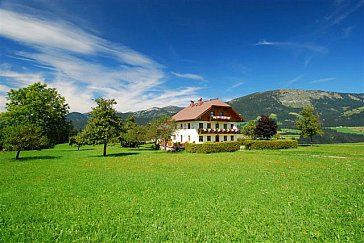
[[335, 108]]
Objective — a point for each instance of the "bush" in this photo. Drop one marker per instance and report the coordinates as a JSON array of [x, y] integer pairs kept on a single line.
[[213, 147], [269, 144]]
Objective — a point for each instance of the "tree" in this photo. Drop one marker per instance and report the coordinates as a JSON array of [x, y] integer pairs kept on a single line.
[[133, 134], [78, 140], [2, 127], [160, 130], [23, 137], [266, 127], [42, 107], [308, 123], [249, 129], [104, 125]]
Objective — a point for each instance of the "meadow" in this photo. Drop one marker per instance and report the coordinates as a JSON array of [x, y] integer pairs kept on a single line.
[[350, 130], [305, 194]]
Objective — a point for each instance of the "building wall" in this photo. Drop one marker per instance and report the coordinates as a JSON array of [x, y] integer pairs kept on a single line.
[[188, 132]]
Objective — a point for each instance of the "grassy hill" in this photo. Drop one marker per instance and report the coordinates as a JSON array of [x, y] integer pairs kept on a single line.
[[335, 109]]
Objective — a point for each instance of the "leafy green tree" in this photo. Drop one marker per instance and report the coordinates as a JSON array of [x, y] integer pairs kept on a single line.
[[23, 137], [104, 125], [309, 123], [160, 129], [266, 127], [78, 140], [2, 126], [133, 134], [249, 129], [41, 106]]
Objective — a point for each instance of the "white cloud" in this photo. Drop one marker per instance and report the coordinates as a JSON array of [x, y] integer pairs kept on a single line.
[[189, 76], [303, 46], [322, 80], [68, 54], [22, 78]]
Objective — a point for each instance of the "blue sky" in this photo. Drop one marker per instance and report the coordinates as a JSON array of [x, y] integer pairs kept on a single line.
[[160, 53]]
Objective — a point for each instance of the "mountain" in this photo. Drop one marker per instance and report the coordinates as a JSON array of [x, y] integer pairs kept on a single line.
[[335, 109], [79, 120]]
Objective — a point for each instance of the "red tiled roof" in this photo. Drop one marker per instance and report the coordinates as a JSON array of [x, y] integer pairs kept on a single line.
[[195, 111]]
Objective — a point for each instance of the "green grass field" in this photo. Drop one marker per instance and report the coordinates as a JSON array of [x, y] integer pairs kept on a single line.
[[350, 130], [304, 194]]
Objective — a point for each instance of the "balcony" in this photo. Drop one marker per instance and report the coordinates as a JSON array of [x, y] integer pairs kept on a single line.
[[218, 131]]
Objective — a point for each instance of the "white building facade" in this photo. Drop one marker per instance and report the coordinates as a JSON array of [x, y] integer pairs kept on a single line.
[[209, 121]]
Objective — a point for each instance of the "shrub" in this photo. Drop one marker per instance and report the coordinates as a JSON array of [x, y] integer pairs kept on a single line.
[[213, 147], [269, 144]]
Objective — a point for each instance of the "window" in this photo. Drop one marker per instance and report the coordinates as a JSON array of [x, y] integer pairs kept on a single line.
[[208, 138], [221, 113], [231, 126], [225, 138], [189, 125], [181, 139], [200, 125], [225, 126], [200, 138], [208, 125], [212, 113], [217, 126], [217, 138], [232, 138], [181, 125]]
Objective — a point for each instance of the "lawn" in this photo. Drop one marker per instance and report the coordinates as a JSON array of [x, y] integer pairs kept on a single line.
[[304, 194]]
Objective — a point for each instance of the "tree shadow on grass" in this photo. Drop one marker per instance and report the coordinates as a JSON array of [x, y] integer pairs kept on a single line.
[[116, 155], [75, 149], [26, 158]]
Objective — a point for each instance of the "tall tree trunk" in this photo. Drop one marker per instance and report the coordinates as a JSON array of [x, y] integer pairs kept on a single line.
[[78, 148], [17, 154], [105, 145], [311, 140]]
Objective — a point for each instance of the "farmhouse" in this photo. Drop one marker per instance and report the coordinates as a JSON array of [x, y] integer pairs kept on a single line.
[[206, 121]]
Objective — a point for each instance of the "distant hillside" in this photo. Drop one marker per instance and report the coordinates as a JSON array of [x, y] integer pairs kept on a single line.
[[79, 120], [335, 109]]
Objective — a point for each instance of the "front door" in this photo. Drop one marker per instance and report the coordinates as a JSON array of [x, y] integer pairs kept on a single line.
[[217, 138]]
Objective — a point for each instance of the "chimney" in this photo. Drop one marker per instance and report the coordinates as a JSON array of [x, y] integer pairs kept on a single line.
[[192, 103], [199, 101]]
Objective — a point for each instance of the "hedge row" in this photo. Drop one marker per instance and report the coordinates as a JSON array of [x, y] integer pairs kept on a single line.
[[269, 144], [212, 147]]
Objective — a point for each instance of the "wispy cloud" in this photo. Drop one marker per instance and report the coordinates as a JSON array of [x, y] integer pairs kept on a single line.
[[236, 85], [68, 56], [189, 76], [322, 80], [294, 80], [22, 78], [303, 46], [343, 10]]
